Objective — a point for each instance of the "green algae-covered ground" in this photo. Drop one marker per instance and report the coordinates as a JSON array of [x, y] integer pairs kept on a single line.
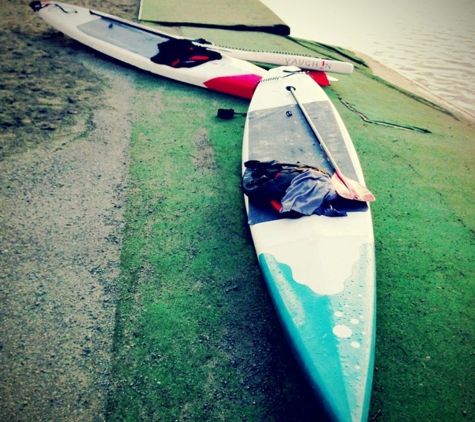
[[194, 299], [196, 337]]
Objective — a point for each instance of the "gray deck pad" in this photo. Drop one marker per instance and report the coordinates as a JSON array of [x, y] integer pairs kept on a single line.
[[284, 135]]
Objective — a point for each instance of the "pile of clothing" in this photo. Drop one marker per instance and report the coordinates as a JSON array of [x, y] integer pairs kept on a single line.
[[290, 188]]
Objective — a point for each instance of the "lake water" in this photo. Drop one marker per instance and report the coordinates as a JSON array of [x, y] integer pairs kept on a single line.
[[431, 42]]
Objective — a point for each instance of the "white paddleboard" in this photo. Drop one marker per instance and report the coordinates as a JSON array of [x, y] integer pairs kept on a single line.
[[320, 270], [137, 44]]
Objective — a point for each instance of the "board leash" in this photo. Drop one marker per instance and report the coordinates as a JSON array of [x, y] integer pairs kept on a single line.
[[276, 78]]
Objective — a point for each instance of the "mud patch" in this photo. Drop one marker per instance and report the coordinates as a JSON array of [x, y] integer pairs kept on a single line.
[[204, 155]]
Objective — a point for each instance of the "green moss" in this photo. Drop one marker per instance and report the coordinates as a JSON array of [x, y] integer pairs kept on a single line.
[[197, 337]]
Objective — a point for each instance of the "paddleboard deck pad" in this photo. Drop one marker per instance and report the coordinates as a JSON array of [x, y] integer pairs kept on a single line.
[[151, 50], [320, 270]]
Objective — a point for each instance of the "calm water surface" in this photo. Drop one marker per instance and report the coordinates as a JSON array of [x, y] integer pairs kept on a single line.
[[431, 42]]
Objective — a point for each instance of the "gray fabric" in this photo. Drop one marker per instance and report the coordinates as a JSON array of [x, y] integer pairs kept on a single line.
[[308, 193]]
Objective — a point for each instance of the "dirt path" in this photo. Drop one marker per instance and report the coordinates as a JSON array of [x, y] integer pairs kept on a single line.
[[62, 193]]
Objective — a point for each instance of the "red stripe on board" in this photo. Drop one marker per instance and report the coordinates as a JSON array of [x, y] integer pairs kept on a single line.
[[320, 78], [245, 85], [240, 85]]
